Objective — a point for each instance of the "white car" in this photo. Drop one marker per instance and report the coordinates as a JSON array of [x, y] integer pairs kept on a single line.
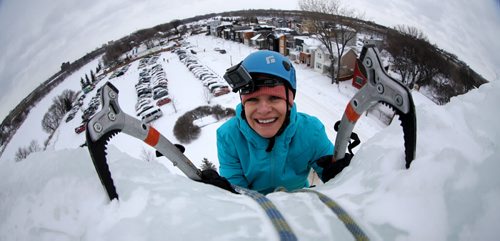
[[151, 115]]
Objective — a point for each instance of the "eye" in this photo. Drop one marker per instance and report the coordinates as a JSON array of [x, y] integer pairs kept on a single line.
[[253, 100], [274, 98]]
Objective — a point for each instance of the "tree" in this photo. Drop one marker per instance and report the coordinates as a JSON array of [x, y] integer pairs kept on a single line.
[[175, 24], [65, 66], [414, 58], [92, 76], [87, 80], [60, 106], [328, 20], [65, 100], [24, 152], [52, 119]]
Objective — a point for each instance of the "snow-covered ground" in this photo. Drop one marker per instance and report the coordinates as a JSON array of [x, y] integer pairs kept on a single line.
[[451, 192]]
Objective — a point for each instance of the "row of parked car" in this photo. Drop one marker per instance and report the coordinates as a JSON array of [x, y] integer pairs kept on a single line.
[[75, 107], [88, 112], [120, 71], [151, 88], [211, 80]]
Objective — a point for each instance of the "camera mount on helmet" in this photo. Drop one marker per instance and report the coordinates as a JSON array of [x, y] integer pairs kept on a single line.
[[240, 80], [237, 77]]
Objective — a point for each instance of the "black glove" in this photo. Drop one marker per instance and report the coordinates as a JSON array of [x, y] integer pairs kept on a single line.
[[210, 176], [331, 168], [179, 147]]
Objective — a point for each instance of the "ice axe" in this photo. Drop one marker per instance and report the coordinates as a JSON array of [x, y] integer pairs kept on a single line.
[[379, 88], [111, 120]]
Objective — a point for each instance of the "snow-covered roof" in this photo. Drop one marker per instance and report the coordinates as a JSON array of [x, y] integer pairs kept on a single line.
[[300, 37], [256, 37], [312, 42]]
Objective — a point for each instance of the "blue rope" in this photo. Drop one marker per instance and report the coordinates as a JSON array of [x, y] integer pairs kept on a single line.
[[284, 231], [341, 214]]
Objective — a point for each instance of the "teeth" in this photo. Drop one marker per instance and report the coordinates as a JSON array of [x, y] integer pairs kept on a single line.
[[266, 121]]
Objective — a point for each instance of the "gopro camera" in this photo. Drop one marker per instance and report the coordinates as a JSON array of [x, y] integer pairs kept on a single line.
[[237, 77]]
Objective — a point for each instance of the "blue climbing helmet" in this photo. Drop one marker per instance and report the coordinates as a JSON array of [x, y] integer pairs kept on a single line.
[[261, 63]]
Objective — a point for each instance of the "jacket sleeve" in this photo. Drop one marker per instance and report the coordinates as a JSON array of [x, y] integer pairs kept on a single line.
[[323, 147], [229, 163]]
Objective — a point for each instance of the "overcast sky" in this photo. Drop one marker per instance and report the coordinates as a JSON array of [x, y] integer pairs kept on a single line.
[[38, 35]]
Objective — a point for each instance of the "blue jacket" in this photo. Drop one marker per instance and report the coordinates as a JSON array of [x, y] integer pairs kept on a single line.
[[244, 161]]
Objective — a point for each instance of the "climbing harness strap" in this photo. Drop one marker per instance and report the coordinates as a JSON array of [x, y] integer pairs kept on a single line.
[[279, 222]]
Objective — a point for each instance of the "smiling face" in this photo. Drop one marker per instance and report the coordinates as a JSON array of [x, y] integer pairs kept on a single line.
[[265, 114]]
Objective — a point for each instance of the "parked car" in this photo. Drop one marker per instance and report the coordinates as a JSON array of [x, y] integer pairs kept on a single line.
[[221, 91], [151, 115], [211, 81], [211, 87], [159, 92], [88, 88], [81, 128], [144, 80], [143, 109], [72, 113], [194, 65], [141, 103], [163, 101], [142, 91]]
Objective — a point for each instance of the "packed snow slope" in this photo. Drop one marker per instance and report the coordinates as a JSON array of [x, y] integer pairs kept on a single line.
[[451, 191]]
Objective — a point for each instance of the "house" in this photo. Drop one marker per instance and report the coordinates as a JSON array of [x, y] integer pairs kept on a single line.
[[222, 31], [347, 63], [247, 37], [307, 54], [295, 47], [236, 33], [322, 61], [212, 26], [273, 41], [259, 40], [358, 79], [226, 32]]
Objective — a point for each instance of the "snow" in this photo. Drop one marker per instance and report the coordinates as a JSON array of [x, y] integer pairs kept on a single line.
[[451, 191], [205, 121]]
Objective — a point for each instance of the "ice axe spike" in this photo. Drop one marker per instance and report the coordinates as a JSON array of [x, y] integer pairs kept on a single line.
[[379, 87], [111, 120]]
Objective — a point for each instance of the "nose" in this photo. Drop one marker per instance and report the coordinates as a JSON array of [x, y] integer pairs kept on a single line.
[[264, 106]]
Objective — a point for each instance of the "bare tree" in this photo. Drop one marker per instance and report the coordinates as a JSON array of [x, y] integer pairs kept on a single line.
[[52, 119], [411, 31], [328, 19], [175, 24], [65, 100], [61, 105], [24, 152], [414, 58]]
